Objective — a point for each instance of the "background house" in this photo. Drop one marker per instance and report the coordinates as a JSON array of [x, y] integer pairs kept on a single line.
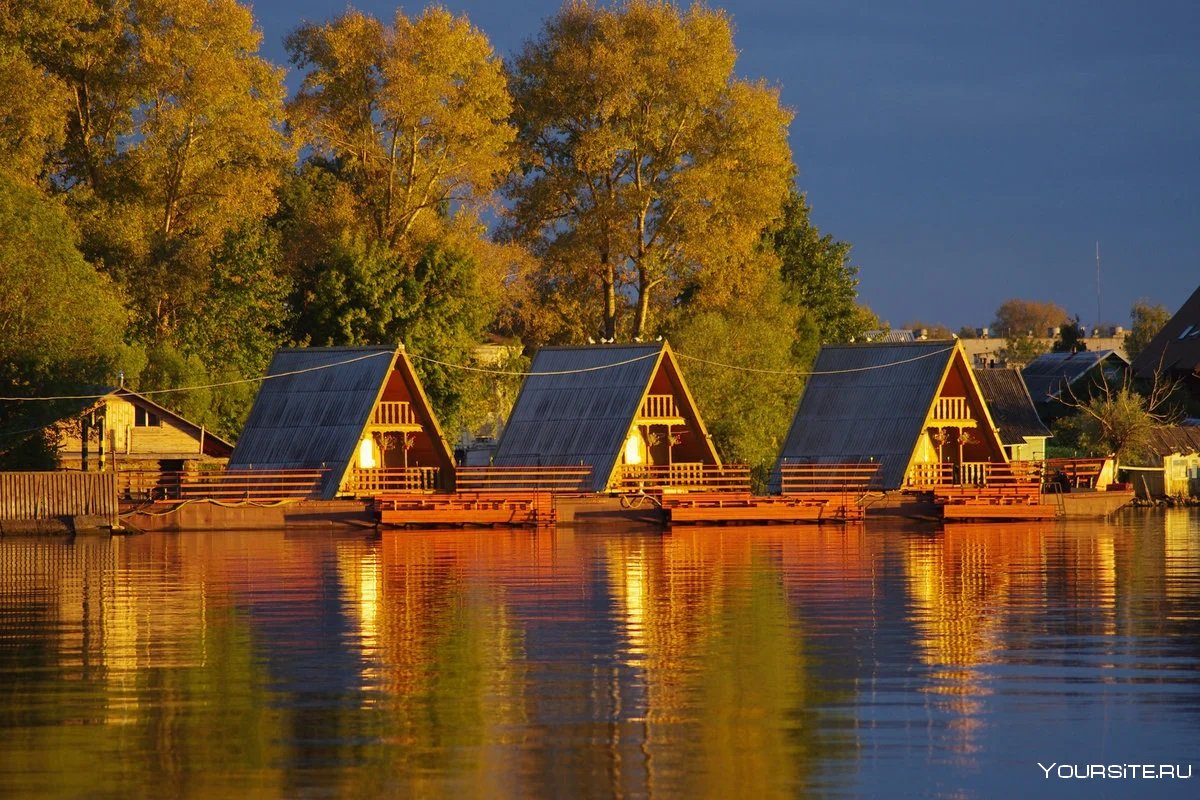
[[1022, 431], [1056, 380], [129, 431]]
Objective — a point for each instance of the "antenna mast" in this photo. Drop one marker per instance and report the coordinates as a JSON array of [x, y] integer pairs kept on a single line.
[[1098, 318]]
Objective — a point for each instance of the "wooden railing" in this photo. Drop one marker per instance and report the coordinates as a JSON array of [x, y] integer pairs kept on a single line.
[[1018, 481], [391, 413], [552, 479], [226, 485], [685, 477], [974, 473], [1080, 473], [828, 478], [659, 406], [393, 479], [951, 408]]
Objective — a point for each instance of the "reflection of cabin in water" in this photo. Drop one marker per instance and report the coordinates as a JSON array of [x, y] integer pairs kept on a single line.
[[1021, 430], [915, 408], [126, 430], [620, 409], [359, 412]]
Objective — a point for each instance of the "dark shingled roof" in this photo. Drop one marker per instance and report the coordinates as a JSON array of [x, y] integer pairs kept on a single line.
[[1177, 345], [1010, 405], [871, 404], [582, 414], [1048, 375], [315, 418]]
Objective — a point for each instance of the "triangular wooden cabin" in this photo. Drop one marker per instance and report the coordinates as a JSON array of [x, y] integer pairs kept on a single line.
[[359, 412], [914, 408], [609, 407], [125, 430]]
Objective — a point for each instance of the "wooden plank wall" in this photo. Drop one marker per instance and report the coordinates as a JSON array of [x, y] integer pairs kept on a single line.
[[48, 495]]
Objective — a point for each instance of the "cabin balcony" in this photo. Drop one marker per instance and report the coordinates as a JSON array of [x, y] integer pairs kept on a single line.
[[660, 409], [952, 411], [395, 416], [380, 480]]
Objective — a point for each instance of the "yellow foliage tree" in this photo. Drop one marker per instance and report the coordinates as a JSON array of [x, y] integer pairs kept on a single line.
[[647, 167], [412, 117]]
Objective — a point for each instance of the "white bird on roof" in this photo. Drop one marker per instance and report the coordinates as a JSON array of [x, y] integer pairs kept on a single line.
[[591, 340]]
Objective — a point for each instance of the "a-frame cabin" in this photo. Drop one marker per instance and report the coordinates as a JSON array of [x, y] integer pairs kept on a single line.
[[359, 412], [622, 410], [914, 408]]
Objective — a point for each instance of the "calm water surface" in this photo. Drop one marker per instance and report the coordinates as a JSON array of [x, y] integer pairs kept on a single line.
[[742, 662]]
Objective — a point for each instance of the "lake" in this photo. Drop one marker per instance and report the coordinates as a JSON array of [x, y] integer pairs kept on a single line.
[[885, 659]]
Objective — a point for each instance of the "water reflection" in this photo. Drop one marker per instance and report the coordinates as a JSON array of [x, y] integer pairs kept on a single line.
[[861, 660]]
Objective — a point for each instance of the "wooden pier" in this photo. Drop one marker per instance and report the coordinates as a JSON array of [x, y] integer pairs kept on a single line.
[[816, 493], [487, 496], [1010, 491]]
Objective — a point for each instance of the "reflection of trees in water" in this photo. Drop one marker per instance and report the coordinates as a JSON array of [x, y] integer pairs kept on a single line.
[[731, 696]]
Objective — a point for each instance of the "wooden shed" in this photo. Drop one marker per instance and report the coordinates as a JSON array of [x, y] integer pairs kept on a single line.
[[129, 431], [359, 412], [1022, 431], [622, 410], [1170, 467], [915, 408]]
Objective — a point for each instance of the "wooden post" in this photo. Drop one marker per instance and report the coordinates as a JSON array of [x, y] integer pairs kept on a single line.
[[100, 448], [85, 430]]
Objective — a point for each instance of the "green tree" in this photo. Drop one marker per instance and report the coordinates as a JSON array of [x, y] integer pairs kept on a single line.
[[412, 119], [1071, 338], [62, 327], [1147, 320], [647, 167], [742, 365], [817, 273]]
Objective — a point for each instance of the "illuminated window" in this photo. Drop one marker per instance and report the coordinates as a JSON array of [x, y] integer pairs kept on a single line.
[[635, 448], [366, 455]]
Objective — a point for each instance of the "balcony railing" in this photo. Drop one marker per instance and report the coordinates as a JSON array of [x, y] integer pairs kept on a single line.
[[394, 414], [253, 485], [975, 473], [951, 408], [684, 477], [659, 406], [392, 479]]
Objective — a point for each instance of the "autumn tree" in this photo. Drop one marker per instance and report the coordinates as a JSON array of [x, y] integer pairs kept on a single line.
[[647, 167], [411, 118], [1116, 420], [171, 149], [1025, 324], [931, 330], [33, 122], [1147, 320]]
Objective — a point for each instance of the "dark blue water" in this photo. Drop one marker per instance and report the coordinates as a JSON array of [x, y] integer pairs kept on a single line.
[[733, 662]]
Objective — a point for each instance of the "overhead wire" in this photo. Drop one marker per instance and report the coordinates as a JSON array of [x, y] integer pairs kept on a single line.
[[493, 371]]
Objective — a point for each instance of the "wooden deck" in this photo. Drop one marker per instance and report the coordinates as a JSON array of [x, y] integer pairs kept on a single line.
[[1006, 491], [464, 509], [487, 496], [697, 508]]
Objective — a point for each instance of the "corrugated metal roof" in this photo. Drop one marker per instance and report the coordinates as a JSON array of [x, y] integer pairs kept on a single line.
[[1012, 408], [1178, 439], [1048, 375], [872, 407], [578, 417], [313, 419], [1176, 348]]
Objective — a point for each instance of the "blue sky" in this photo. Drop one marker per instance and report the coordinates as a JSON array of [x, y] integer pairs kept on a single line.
[[970, 151]]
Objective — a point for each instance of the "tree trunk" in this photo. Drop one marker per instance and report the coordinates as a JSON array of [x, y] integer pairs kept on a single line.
[[609, 285], [642, 318]]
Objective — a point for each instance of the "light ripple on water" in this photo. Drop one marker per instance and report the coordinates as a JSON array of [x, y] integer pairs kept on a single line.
[[857, 661]]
